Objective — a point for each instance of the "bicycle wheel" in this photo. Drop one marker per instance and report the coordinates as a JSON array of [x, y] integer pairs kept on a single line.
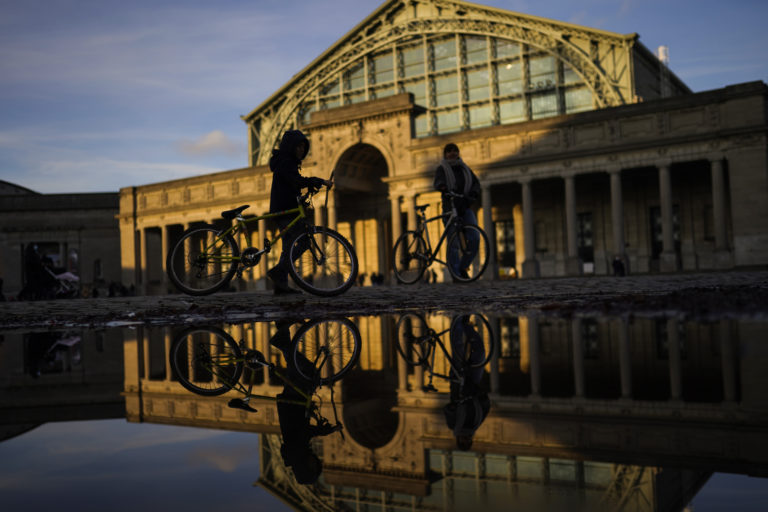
[[323, 262], [413, 339], [409, 257], [469, 246], [206, 360], [202, 261], [325, 350], [472, 340]]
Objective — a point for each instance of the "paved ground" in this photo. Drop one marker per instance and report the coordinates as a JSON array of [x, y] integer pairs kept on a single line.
[[702, 295]]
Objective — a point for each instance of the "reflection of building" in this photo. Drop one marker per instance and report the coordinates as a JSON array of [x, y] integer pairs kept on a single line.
[[588, 409], [77, 231], [581, 159], [58, 376]]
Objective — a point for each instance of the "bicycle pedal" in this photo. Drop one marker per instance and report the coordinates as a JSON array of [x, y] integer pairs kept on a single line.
[[237, 403]]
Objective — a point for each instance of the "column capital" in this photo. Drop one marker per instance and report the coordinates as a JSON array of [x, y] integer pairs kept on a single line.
[[664, 162], [715, 157], [524, 180], [614, 169]]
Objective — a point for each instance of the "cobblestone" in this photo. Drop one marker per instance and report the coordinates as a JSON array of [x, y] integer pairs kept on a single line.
[[700, 295]]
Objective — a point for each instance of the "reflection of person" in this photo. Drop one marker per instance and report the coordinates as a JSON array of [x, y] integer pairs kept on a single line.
[[294, 422], [453, 175], [39, 280], [287, 183], [618, 267], [469, 403]]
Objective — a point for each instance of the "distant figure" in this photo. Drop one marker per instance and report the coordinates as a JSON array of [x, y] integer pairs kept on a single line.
[[2, 295], [361, 279], [618, 267]]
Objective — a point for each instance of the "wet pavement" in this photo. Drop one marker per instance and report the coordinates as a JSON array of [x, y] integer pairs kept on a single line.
[[699, 295]]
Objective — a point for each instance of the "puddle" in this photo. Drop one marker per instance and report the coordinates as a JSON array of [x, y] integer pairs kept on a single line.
[[543, 412]]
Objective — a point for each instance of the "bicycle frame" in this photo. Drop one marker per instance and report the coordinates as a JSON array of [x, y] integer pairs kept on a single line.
[[241, 224], [422, 230], [433, 339]]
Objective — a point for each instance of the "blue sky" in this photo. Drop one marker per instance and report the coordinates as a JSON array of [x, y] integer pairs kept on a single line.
[[96, 95]]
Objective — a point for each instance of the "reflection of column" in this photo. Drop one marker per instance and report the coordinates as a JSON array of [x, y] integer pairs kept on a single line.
[[727, 354], [319, 215], [578, 358], [572, 262], [187, 248], [668, 261], [492, 271], [530, 264], [167, 339], [397, 228], [625, 359], [617, 215], [145, 352], [143, 274], [531, 335], [164, 244], [673, 348], [496, 333]]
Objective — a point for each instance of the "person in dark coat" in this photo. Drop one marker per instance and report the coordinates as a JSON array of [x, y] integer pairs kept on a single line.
[[453, 175], [469, 403], [287, 183]]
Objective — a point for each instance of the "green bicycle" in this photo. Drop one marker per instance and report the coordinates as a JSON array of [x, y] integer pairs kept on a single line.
[[208, 362], [206, 258]]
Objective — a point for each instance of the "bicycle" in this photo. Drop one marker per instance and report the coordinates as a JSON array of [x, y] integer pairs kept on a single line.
[[470, 333], [413, 251], [207, 361], [206, 258]]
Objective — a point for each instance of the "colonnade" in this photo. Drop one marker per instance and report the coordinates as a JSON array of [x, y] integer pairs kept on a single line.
[[530, 266]]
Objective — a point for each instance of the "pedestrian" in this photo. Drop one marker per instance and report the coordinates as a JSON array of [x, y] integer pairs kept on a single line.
[[453, 175], [287, 183], [618, 267]]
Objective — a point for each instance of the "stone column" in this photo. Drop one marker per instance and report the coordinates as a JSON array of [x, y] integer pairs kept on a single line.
[[572, 262], [165, 243], [397, 228], [531, 324], [410, 203], [492, 272], [625, 359], [143, 275], [332, 209], [319, 217], [723, 257], [578, 358], [530, 264], [167, 340], [668, 261], [675, 362], [617, 217]]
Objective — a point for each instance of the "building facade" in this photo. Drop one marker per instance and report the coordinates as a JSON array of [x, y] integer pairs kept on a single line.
[[587, 147], [78, 232]]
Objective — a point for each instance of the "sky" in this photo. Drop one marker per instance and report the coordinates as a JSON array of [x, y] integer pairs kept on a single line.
[[96, 95]]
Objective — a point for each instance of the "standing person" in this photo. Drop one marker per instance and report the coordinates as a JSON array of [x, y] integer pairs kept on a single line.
[[453, 175], [287, 183]]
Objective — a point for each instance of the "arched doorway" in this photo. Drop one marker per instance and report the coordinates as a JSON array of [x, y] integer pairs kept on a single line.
[[362, 207]]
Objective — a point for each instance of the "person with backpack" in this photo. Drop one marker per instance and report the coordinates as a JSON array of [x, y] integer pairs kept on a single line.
[[453, 175]]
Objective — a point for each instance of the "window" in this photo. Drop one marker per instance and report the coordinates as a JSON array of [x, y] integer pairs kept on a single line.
[[444, 54], [446, 90], [383, 68], [448, 121], [476, 50], [477, 85], [480, 116], [413, 61], [505, 242]]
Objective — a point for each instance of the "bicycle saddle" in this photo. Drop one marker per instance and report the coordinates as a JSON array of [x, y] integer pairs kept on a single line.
[[231, 214], [237, 403]]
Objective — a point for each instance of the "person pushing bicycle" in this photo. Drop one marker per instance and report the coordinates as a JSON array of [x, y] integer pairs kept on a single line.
[[454, 176], [287, 183]]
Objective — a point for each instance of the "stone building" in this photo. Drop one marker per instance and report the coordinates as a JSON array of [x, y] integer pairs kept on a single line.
[[588, 149], [78, 232]]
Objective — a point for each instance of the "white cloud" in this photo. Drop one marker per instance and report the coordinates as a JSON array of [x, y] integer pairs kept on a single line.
[[215, 142]]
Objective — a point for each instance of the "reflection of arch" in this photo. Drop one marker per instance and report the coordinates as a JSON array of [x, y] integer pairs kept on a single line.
[[361, 167], [380, 32]]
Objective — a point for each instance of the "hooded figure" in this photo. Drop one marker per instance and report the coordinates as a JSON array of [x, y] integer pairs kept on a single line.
[[285, 165], [286, 187]]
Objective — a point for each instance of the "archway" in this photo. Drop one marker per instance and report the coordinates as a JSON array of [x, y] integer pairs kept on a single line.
[[362, 208]]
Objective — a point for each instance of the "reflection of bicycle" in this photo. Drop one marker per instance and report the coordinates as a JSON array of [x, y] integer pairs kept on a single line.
[[207, 258], [471, 341], [207, 361], [467, 243]]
